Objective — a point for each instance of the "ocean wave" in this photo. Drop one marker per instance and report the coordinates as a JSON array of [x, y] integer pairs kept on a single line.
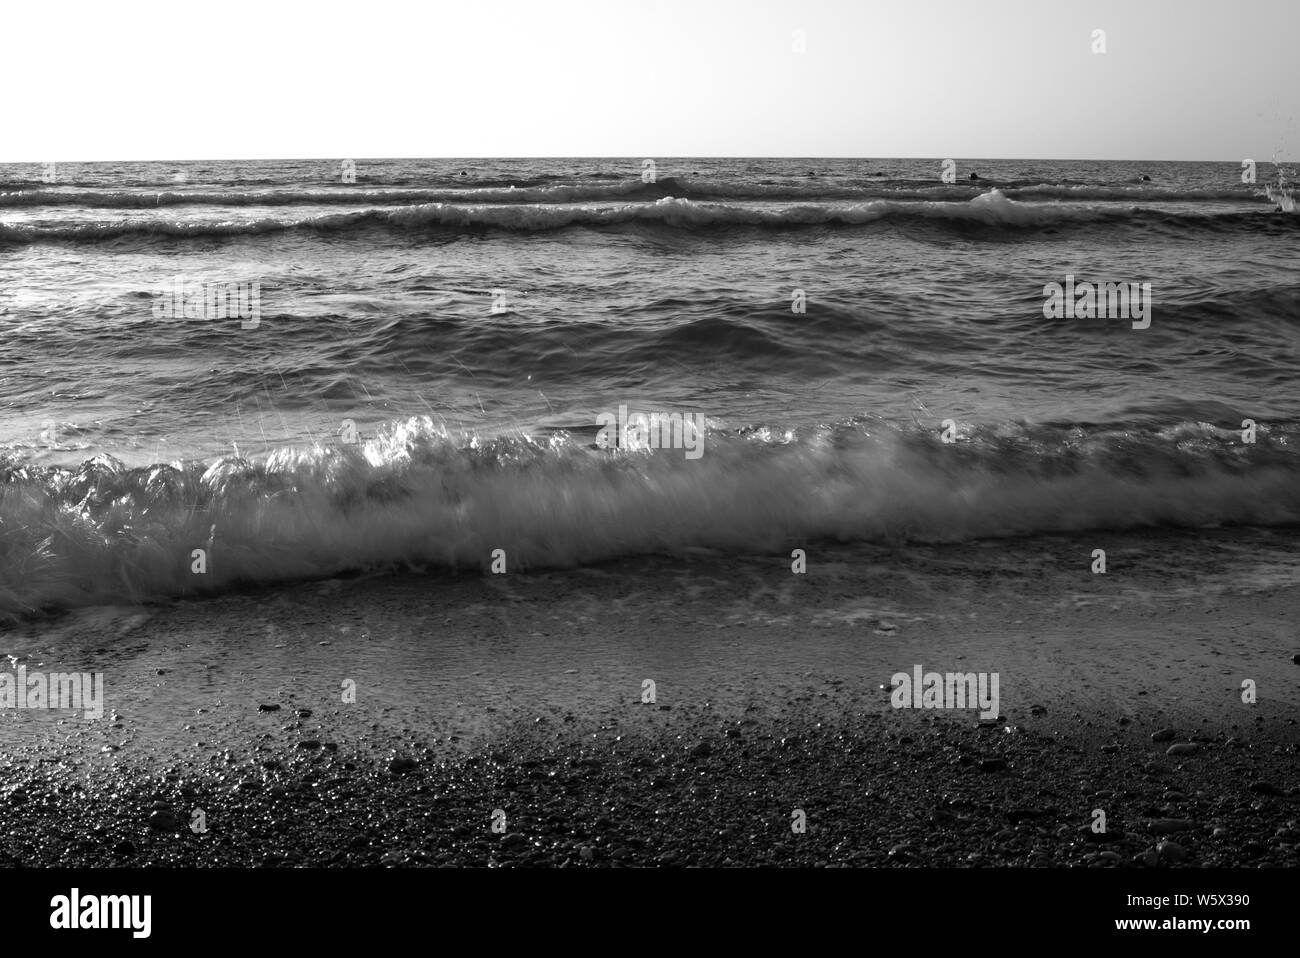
[[993, 210], [544, 192], [415, 495], [1131, 194], [318, 196]]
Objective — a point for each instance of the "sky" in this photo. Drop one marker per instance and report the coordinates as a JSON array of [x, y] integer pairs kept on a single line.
[[260, 79]]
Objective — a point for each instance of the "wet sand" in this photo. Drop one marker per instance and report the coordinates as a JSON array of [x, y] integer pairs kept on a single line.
[[523, 694]]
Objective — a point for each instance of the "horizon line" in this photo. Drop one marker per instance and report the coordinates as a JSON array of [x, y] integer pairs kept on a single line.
[[637, 157]]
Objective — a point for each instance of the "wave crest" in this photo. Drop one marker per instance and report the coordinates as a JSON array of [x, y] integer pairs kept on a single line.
[[416, 494], [993, 210]]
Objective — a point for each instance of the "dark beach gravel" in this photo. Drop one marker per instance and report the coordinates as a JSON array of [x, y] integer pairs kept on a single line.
[[654, 786]]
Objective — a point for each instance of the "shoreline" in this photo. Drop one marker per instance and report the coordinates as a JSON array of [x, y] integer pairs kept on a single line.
[[523, 693]]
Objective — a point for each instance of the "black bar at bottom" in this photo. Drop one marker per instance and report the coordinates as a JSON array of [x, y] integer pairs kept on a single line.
[[328, 907]]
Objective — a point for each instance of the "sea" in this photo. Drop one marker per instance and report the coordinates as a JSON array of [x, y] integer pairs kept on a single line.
[[235, 374]]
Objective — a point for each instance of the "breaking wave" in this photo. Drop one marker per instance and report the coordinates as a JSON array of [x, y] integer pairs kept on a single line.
[[416, 495]]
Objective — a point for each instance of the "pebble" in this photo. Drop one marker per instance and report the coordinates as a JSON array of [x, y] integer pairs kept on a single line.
[[1021, 814], [586, 853], [1183, 748], [304, 713], [512, 840], [309, 743], [1169, 850], [268, 708], [401, 765], [1101, 838], [1163, 826], [124, 848], [164, 821], [1164, 735], [702, 750]]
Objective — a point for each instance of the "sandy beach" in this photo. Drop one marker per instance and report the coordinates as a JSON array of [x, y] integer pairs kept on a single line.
[[424, 719]]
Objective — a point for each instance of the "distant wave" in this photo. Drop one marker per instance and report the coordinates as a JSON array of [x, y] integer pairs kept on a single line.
[[992, 209], [170, 182], [318, 196], [415, 495], [685, 187], [1122, 194]]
